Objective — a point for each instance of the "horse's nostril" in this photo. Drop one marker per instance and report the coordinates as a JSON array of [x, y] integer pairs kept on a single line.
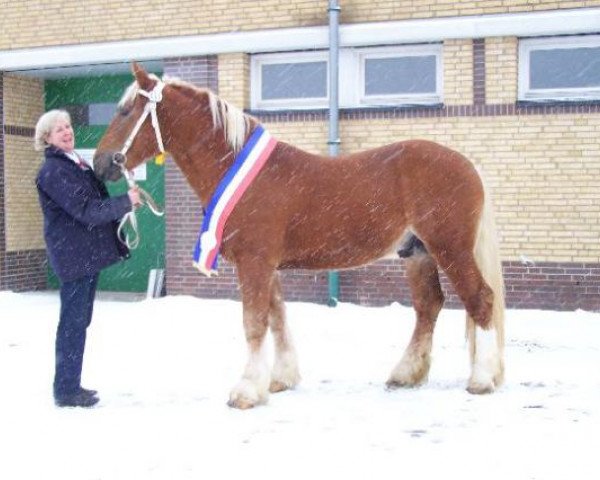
[[119, 158]]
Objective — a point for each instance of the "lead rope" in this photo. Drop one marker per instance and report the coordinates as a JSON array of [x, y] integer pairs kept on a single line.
[[130, 218], [120, 158]]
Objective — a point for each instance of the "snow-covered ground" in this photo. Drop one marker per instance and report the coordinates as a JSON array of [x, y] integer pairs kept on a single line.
[[164, 368]]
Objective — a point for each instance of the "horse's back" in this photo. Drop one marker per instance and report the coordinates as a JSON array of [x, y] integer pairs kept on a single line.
[[404, 175]]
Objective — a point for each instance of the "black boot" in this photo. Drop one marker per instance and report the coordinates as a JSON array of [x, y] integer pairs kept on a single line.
[[88, 391], [80, 398]]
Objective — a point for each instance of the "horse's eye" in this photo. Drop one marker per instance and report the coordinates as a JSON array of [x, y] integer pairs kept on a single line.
[[125, 109]]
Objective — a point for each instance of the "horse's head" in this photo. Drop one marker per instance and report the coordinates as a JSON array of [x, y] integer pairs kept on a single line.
[[131, 138]]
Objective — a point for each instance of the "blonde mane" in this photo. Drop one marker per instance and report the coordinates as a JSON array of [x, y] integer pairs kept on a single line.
[[234, 122]]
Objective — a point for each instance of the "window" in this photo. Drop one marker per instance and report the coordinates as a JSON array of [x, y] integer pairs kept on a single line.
[[101, 113], [559, 69], [291, 80], [91, 114], [401, 75], [386, 76]]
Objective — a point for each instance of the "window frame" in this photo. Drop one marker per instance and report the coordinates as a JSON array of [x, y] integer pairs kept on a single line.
[[257, 61], [575, 94], [352, 71], [407, 99]]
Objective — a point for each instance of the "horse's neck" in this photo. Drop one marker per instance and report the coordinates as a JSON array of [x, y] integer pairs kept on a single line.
[[204, 166], [201, 151]]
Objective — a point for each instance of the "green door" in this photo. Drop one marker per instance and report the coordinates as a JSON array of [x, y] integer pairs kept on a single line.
[[91, 102]]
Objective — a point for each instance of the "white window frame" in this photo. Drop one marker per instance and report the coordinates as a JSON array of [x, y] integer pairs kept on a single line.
[[351, 74], [285, 103], [526, 46], [401, 51]]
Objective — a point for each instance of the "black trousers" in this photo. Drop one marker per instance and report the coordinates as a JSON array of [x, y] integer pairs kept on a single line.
[[76, 308]]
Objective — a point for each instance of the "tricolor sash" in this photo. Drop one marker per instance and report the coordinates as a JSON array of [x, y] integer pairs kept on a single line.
[[230, 189]]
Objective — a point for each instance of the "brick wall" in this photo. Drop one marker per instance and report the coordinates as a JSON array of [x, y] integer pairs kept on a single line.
[[458, 72], [544, 285], [22, 251], [479, 77], [2, 209], [182, 207], [501, 70], [234, 79], [553, 285]]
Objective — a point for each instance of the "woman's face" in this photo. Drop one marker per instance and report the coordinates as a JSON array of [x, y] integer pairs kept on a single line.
[[62, 136]]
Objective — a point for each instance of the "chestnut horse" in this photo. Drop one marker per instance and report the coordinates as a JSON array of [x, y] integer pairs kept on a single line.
[[313, 212]]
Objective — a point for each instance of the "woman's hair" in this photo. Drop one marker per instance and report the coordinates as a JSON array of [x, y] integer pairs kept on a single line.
[[45, 124]]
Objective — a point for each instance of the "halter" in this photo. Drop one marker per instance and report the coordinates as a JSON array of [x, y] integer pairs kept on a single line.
[[120, 158], [154, 97]]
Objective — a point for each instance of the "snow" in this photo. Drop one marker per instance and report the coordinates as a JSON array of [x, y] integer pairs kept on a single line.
[[164, 368]]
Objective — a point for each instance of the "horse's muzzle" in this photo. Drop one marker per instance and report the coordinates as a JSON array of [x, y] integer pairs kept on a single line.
[[106, 165]]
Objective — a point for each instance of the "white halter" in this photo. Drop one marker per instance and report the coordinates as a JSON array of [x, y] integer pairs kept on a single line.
[[153, 97]]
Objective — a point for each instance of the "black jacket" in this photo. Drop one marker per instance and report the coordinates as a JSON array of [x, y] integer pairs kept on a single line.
[[80, 219]]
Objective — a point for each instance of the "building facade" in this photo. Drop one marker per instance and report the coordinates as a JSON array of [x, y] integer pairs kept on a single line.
[[512, 84]]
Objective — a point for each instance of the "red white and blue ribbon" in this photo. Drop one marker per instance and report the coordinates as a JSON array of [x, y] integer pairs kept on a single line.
[[232, 186]]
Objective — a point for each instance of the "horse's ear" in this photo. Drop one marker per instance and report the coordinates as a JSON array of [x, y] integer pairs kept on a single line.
[[141, 76]]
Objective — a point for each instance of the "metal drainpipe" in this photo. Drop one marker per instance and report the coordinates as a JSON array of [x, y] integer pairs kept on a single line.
[[334, 140]]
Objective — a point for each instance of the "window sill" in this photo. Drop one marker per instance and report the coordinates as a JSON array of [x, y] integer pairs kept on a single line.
[[557, 103], [344, 110]]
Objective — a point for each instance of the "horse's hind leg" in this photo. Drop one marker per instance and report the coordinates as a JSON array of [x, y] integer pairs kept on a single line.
[[255, 284], [427, 296], [285, 373], [477, 296]]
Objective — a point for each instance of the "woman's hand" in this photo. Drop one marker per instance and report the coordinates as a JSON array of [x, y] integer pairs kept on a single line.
[[134, 196]]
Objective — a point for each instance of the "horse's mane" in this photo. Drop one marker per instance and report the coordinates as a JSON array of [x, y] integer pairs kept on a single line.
[[234, 122]]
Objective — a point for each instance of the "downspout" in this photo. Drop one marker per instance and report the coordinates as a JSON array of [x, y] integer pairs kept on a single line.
[[334, 139]]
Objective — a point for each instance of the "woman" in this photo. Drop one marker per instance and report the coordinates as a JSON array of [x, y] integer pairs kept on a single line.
[[80, 230]]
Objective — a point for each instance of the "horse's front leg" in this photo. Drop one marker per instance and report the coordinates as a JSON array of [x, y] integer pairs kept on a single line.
[[255, 285], [285, 374]]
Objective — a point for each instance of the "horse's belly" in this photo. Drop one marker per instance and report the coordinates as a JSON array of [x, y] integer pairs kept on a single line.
[[339, 250]]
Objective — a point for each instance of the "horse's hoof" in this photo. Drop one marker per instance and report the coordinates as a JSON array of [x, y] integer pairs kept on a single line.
[[480, 388], [247, 395], [396, 384], [277, 386], [405, 380], [240, 404]]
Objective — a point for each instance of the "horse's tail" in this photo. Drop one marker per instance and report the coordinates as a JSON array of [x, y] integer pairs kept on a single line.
[[487, 257]]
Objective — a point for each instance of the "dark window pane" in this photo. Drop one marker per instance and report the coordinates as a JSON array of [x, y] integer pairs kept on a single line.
[[78, 114], [294, 80], [565, 68], [400, 75], [101, 113]]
